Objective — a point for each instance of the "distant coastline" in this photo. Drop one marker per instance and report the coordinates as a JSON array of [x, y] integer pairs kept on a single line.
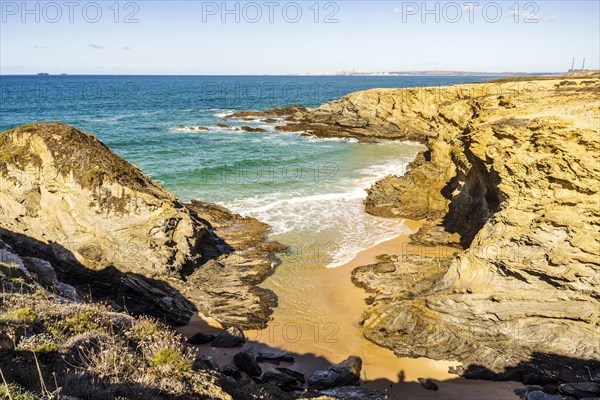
[[317, 74], [433, 73]]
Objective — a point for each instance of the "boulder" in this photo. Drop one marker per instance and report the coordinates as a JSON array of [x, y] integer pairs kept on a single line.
[[523, 391], [275, 357], [580, 389], [201, 338], [428, 384], [294, 374], [247, 363], [232, 337], [230, 370], [539, 395], [42, 270], [345, 373], [203, 362], [355, 393], [285, 382]]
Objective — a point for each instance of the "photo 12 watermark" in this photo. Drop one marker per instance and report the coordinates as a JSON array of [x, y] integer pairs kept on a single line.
[[232, 93], [69, 11], [68, 91], [264, 173], [270, 12], [469, 11]]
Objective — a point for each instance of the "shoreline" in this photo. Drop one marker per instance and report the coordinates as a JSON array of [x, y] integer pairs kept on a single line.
[[319, 341]]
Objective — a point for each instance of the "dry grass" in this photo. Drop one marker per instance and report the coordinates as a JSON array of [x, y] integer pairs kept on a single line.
[[90, 351]]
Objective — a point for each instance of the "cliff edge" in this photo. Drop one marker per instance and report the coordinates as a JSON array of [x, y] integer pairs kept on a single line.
[[510, 179], [116, 235]]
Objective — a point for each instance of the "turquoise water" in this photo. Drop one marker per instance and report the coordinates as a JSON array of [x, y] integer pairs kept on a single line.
[[309, 190]]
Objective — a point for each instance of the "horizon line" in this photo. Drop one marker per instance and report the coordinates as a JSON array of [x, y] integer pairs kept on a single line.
[[340, 74]]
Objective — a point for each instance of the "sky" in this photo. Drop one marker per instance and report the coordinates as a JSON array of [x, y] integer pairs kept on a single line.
[[287, 37]]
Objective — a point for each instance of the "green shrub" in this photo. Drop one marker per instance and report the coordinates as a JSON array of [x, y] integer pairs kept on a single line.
[[23, 315], [87, 321], [143, 329], [15, 392], [47, 348], [169, 359]]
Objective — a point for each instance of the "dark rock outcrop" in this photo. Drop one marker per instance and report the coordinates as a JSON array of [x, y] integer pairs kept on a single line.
[[355, 393], [232, 337], [201, 338], [428, 384], [253, 130], [246, 362], [275, 357], [345, 373], [285, 382], [230, 370], [580, 389], [294, 374]]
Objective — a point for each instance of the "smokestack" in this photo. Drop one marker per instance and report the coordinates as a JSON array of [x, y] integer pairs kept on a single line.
[[583, 64], [573, 64]]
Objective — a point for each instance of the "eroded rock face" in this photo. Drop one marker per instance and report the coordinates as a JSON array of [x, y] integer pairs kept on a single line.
[[510, 176], [119, 235], [406, 115]]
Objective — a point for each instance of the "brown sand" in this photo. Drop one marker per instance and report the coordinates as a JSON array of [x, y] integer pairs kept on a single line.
[[318, 319]]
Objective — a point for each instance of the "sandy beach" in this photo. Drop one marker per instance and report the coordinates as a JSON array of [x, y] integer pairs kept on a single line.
[[318, 319]]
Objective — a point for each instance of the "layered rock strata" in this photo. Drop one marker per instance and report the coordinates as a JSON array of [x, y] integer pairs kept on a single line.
[[116, 235], [509, 177]]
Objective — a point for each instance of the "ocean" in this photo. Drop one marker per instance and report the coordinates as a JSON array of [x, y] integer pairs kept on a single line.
[[309, 190]]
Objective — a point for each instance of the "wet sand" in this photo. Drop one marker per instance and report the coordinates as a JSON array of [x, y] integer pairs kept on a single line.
[[318, 319]]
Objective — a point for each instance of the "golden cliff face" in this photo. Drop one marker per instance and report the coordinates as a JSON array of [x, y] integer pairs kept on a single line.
[[74, 191], [510, 177], [114, 232]]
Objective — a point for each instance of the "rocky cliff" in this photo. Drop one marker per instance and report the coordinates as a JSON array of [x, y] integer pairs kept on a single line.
[[116, 235], [510, 177]]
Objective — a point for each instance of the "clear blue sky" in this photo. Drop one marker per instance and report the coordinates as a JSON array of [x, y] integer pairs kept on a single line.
[[176, 37]]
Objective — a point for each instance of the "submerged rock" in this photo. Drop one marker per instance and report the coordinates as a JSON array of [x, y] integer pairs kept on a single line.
[[194, 128], [253, 130]]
